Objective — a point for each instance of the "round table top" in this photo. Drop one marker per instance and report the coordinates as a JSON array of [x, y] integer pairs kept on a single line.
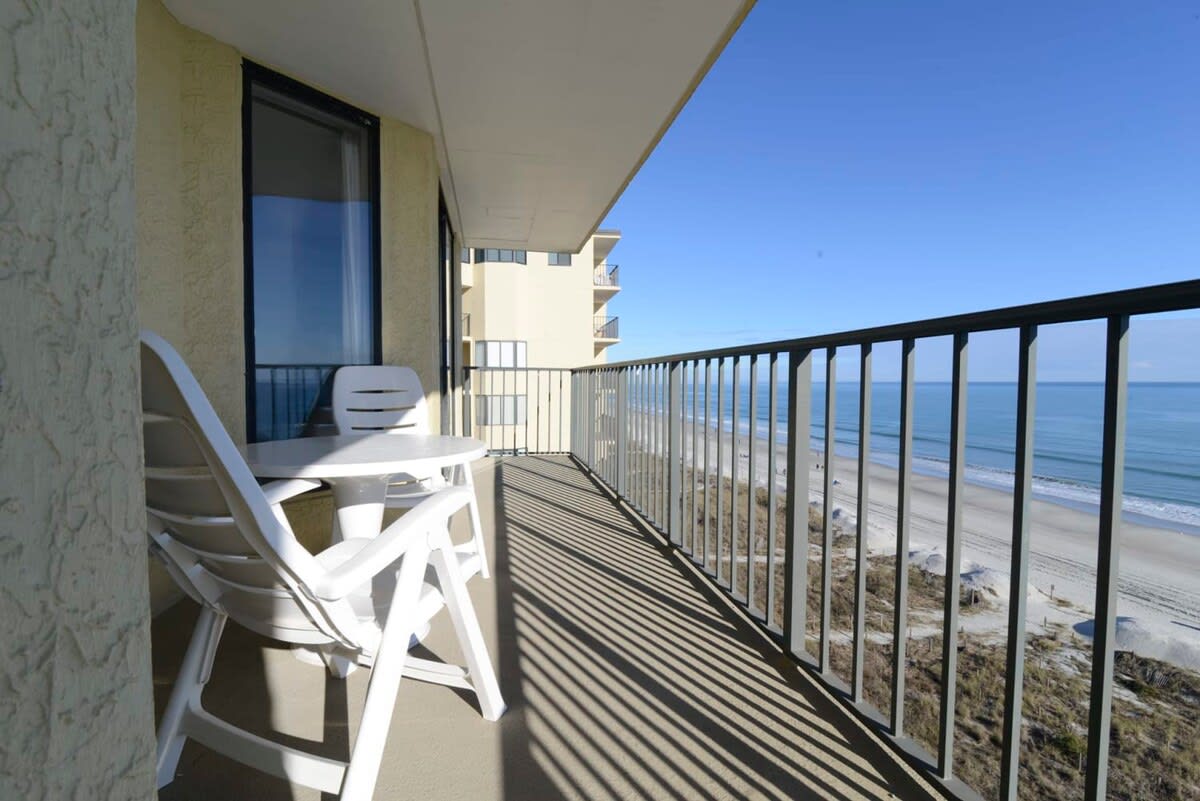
[[356, 456]]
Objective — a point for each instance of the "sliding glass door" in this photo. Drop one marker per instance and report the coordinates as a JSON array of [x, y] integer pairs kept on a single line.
[[312, 249]]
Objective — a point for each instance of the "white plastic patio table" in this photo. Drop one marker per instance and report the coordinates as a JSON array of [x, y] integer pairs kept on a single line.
[[359, 468]]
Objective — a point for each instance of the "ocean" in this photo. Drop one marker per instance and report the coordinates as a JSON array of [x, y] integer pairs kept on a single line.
[[1162, 447]]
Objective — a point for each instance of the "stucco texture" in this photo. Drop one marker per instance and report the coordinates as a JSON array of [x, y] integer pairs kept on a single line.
[[189, 203], [409, 218], [75, 680]]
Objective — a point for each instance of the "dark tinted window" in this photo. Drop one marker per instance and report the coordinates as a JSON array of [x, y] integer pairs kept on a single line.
[[312, 212]]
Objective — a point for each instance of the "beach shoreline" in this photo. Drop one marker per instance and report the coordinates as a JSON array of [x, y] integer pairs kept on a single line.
[[1158, 568]]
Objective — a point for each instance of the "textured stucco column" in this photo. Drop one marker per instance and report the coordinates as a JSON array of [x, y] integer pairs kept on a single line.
[[76, 710], [409, 212]]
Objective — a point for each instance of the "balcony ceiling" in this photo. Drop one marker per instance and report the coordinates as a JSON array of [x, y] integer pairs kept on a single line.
[[543, 110]]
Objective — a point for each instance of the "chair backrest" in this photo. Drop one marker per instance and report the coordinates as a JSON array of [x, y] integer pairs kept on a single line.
[[379, 399], [217, 533]]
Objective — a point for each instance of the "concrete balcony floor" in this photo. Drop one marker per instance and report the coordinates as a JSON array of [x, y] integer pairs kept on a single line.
[[626, 676]]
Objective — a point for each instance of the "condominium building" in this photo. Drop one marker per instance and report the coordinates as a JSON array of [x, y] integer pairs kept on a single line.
[[527, 317], [529, 309]]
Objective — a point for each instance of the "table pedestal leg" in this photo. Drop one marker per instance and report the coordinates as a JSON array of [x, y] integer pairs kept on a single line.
[[358, 512], [359, 506]]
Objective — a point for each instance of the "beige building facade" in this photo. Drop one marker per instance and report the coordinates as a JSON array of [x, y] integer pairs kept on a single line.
[[553, 306], [528, 318]]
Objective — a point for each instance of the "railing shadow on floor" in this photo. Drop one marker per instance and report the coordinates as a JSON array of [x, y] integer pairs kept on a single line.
[[632, 676]]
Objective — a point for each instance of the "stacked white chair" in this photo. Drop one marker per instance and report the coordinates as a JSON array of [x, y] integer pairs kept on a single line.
[[227, 543], [387, 399]]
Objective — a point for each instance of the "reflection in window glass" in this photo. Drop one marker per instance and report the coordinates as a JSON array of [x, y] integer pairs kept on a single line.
[[313, 211]]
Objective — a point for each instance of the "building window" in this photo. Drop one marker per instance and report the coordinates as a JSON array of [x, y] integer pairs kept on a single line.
[[499, 353], [500, 255], [559, 259], [500, 410], [312, 253], [465, 256]]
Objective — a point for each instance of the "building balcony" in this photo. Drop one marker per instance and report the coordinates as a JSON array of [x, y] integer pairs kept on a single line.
[[605, 330], [626, 673], [606, 282]]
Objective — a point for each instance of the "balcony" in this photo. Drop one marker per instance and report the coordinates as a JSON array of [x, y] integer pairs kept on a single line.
[[606, 283], [605, 330], [627, 676], [663, 631]]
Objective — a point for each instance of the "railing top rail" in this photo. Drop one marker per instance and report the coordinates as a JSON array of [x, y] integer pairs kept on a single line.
[[1178, 296]]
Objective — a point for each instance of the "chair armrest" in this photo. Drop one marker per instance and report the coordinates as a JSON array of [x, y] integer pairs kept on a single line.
[[383, 551], [279, 491]]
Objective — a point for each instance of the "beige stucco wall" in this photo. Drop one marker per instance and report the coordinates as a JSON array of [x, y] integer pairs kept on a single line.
[[190, 262], [75, 681], [189, 202]]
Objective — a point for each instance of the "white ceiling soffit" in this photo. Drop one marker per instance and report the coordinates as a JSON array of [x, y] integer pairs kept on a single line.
[[543, 110]]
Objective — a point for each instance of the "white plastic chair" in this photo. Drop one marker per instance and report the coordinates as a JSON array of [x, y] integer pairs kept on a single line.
[[386, 399], [227, 543]]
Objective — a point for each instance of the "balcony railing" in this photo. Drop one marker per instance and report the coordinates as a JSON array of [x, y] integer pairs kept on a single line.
[[605, 327], [611, 277], [518, 409], [289, 398], [466, 325], [653, 431]]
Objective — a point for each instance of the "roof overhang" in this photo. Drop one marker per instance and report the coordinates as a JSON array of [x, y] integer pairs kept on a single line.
[[542, 110]]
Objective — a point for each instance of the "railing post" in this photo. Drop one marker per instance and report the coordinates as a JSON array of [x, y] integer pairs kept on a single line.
[[827, 507], [908, 349], [799, 422], [1014, 664], [720, 541], [573, 408], [675, 453], [590, 394], [1112, 480], [860, 545], [958, 445], [735, 440], [467, 411], [622, 429]]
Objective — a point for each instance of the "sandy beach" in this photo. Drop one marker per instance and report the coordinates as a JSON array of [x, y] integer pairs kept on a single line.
[[1158, 569]]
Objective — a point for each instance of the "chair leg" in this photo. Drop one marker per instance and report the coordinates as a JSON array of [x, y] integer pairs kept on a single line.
[[476, 526], [386, 672], [339, 665], [466, 626], [193, 675]]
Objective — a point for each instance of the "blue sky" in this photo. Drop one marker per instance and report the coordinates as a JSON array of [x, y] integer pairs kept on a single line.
[[854, 164]]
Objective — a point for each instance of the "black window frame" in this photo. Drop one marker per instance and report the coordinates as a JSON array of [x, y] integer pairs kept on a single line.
[[253, 73]]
